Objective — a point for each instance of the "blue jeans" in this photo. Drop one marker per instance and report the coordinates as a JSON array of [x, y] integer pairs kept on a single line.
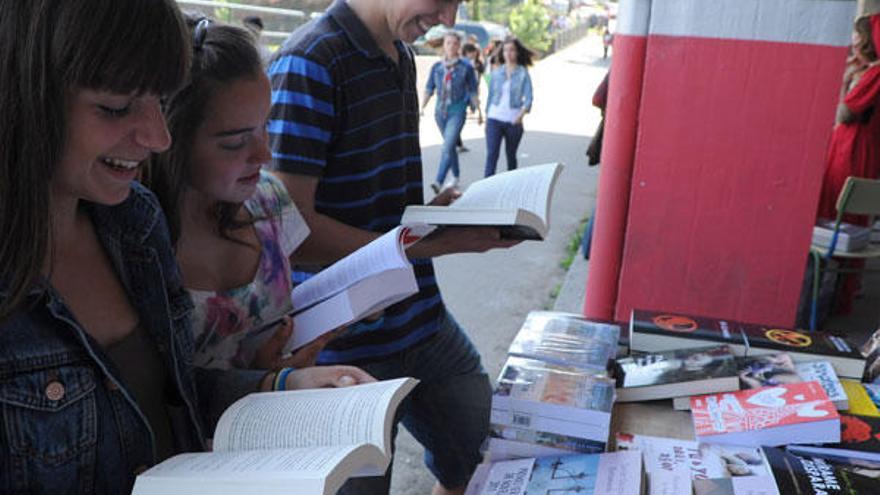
[[512, 134], [448, 412], [450, 126]]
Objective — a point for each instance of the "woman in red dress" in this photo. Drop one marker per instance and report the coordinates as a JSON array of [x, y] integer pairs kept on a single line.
[[855, 141]]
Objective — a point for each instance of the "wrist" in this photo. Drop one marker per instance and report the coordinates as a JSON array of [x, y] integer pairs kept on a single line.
[[266, 381]]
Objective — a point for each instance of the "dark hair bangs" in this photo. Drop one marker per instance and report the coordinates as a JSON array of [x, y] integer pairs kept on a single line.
[[132, 46]]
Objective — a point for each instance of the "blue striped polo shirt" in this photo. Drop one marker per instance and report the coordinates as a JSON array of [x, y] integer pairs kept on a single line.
[[343, 111]]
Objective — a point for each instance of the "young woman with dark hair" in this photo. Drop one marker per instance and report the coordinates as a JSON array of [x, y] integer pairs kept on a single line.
[[233, 225], [88, 273], [510, 98]]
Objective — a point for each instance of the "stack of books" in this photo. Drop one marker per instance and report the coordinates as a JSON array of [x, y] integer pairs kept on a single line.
[[554, 395], [750, 389], [541, 409], [849, 238]]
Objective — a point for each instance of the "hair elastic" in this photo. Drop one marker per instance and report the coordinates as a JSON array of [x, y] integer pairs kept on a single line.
[[200, 32]]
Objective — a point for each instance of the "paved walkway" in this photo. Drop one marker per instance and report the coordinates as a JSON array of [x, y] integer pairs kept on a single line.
[[491, 293]]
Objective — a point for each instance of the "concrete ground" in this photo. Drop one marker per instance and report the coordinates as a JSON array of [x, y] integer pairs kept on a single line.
[[491, 293]]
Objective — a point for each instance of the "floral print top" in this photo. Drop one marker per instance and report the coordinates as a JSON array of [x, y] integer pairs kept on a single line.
[[222, 319]]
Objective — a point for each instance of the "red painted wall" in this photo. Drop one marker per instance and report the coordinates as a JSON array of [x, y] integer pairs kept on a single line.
[[728, 162]]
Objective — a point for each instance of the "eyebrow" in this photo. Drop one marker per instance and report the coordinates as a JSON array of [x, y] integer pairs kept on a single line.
[[233, 132]]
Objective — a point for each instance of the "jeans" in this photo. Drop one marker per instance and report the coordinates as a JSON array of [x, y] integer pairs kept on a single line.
[[512, 134], [450, 126], [448, 412]]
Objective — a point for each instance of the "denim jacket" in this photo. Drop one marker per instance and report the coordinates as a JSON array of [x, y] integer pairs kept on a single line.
[[67, 422], [463, 87], [520, 88]]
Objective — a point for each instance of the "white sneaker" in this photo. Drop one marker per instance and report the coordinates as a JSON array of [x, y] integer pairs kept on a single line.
[[452, 182]]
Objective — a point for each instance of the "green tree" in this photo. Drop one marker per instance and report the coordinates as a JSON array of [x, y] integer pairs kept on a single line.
[[223, 13], [529, 22]]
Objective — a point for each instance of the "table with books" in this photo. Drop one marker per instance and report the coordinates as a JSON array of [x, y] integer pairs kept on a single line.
[[565, 420]]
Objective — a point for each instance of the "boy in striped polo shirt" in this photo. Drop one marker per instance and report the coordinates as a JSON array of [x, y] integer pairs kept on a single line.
[[344, 131]]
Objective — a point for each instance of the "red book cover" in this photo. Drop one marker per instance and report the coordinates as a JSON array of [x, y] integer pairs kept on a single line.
[[761, 408]]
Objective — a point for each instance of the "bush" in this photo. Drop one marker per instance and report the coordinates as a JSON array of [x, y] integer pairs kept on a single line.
[[529, 21]]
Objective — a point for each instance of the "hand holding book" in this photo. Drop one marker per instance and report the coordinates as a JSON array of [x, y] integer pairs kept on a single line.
[[271, 356]]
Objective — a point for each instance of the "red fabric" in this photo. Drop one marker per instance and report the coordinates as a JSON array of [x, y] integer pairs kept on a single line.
[[854, 150], [855, 147], [600, 97]]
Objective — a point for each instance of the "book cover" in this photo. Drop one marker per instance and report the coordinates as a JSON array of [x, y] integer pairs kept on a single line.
[[570, 443], [516, 201], [684, 328], [823, 372], [873, 391], [554, 403], [720, 417], [808, 475], [674, 373], [860, 401], [618, 473], [746, 485], [766, 370], [566, 339], [762, 337], [655, 331], [700, 460], [859, 438], [524, 379]]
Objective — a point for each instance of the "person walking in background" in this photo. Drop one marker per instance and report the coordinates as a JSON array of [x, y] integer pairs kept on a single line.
[[455, 83], [471, 52], [607, 40], [510, 98], [854, 149]]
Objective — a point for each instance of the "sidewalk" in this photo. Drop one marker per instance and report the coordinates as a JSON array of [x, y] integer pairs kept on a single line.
[[491, 293]]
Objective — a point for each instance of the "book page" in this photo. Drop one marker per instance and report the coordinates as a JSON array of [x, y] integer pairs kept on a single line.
[[261, 464], [317, 417], [526, 188], [363, 298], [384, 253]]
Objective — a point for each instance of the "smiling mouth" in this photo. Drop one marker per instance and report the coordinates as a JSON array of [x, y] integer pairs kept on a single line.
[[120, 164]]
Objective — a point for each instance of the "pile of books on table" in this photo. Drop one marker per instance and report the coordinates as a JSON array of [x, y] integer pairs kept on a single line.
[[774, 411]]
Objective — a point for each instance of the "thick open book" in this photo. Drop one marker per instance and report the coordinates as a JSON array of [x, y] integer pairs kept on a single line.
[[306, 442], [517, 201], [368, 280]]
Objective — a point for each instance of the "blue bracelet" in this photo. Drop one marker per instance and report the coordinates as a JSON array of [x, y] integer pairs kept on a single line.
[[281, 379]]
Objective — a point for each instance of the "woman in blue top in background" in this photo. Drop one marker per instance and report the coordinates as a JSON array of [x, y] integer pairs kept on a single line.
[[456, 85], [510, 98]]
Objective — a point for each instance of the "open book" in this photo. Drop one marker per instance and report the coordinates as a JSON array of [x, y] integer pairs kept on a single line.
[[368, 280], [306, 442], [517, 201]]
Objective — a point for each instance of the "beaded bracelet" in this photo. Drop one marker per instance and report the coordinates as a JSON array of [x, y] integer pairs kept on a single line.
[[281, 379]]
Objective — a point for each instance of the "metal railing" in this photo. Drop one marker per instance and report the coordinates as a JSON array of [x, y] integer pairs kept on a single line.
[[279, 22]]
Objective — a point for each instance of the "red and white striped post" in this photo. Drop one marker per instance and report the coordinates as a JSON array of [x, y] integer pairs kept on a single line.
[[618, 151], [736, 107]]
